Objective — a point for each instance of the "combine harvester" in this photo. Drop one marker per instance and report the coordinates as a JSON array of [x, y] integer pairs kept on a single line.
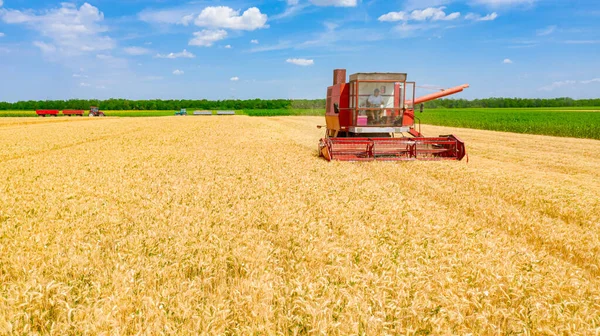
[[367, 119]]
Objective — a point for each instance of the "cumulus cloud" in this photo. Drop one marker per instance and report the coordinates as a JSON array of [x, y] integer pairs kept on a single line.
[[2, 34], [84, 84], [300, 61], [228, 46], [69, 29], [178, 72], [507, 61], [1, 3], [226, 17], [476, 17], [234, 79], [394, 16], [207, 37], [136, 51], [254, 41], [183, 54], [428, 14]]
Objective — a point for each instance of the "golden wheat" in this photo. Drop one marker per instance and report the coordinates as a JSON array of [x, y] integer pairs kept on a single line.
[[183, 225]]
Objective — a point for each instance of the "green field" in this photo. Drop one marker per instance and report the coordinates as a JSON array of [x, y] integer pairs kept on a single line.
[[562, 122], [578, 122]]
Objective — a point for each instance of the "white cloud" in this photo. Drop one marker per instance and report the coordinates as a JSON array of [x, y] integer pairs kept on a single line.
[[291, 10], [226, 17], [334, 3], [557, 85], [234, 79], [595, 80], [101, 87], [183, 54], [168, 16], [394, 16], [71, 30], [187, 19], [428, 14], [84, 84], [300, 61], [45, 47], [178, 72], [546, 31], [507, 61], [433, 14], [279, 46], [207, 37], [228, 46], [476, 17], [254, 41], [136, 51], [79, 76], [1, 3], [2, 34]]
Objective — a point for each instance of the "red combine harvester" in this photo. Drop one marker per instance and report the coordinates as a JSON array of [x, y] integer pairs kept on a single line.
[[43, 113], [367, 119], [73, 112]]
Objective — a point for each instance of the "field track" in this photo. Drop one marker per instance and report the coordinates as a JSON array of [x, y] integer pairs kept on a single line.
[[184, 225]]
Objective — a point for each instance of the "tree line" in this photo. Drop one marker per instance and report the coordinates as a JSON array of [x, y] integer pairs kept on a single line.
[[276, 104]]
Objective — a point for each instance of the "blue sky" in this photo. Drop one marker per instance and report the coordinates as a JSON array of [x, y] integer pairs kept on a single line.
[[243, 49]]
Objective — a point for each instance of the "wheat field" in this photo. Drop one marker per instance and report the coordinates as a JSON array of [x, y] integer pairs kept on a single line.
[[233, 225]]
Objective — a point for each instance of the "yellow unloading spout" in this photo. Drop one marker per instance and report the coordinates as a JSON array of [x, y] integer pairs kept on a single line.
[[437, 95]]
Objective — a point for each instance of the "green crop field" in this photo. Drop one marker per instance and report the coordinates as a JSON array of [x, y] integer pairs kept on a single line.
[[577, 123]]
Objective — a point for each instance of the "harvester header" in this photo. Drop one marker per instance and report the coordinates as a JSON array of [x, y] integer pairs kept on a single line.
[[369, 117]]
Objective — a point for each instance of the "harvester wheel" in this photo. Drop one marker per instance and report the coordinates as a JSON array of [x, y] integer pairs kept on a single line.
[[90, 115], [101, 114]]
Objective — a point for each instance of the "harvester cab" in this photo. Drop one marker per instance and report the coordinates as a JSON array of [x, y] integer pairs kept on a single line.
[[95, 112], [368, 117]]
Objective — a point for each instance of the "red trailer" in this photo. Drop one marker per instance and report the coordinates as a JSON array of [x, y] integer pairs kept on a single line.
[[43, 113], [73, 112]]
